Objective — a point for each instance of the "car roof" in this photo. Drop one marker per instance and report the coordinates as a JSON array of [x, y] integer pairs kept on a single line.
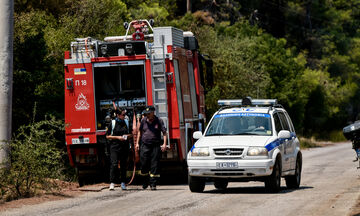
[[264, 109]]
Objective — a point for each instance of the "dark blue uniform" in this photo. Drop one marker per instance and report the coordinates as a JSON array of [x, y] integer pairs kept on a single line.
[[150, 150]]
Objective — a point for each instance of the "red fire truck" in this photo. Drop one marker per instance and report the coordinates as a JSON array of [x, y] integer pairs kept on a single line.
[[163, 69]]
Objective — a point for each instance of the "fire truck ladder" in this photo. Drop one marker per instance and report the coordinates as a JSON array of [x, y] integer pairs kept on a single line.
[[159, 91]]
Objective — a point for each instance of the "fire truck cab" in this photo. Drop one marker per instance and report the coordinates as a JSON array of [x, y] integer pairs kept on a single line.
[[163, 69]]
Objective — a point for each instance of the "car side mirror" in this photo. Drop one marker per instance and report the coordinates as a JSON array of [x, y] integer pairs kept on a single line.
[[197, 134], [285, 134]]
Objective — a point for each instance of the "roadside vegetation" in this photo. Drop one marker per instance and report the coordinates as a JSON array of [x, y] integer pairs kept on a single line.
[[37, 160], [304, 53]]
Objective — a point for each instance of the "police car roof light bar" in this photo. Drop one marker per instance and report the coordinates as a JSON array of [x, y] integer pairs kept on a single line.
[[254, 102]]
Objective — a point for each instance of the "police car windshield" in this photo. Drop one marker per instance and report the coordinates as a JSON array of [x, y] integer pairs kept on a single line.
[[233, 124]]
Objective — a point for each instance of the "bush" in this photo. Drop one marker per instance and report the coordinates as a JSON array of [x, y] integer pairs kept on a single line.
[[35, 160], [307, 143], [337, 136]]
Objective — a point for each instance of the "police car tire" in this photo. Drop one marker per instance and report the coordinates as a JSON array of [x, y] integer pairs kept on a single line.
[[196, 184], [220, 184], [273, 182], [293, 181]]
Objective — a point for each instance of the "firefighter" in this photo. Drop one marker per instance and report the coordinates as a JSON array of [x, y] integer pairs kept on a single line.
[[150, 135], [118, 134]]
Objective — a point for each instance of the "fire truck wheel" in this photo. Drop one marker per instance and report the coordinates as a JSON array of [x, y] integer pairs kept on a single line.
[[272, 182], [293, 181], [81, 182], [221, 184], [196, 184], [81, 178]]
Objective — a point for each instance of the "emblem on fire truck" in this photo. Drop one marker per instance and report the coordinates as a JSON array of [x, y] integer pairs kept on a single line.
[[82, 103]]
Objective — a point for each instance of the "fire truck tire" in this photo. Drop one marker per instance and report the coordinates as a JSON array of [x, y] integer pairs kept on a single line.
[[220, 184], [273, 182], [81, 182], [81, 178], [293, 181], [196, 184]]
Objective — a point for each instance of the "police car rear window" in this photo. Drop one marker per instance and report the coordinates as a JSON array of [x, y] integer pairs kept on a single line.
[[231, 124]]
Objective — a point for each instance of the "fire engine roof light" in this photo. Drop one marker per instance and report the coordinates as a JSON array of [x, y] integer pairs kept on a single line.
[[254, 102]]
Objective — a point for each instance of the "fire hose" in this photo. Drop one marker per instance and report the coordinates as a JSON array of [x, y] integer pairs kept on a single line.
[[136, 158]]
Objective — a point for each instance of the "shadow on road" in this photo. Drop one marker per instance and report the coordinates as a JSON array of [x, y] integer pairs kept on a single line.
[[253, 190]]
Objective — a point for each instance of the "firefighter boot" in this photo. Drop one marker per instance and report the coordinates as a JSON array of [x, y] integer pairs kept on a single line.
[[153, 181], [153, 187], [145, 182]]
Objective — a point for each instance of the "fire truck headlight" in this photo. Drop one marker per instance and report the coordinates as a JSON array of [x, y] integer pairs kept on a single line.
[[257, 151], [200, 151]]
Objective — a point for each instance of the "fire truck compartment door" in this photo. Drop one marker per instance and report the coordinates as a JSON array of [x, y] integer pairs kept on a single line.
[[79, 101]]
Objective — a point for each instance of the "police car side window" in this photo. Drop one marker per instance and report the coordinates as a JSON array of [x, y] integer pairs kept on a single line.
[[292, 129], [284, 121], [278, 127]]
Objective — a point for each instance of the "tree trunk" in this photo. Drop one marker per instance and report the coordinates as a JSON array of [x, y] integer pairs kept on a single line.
[[188, 6]]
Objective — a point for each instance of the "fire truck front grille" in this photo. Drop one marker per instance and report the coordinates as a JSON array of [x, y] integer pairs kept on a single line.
[[228, 151]]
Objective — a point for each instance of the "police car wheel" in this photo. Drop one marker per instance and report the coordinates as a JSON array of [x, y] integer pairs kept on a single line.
[[196, 184], [293, 181], [272, 182], [220, 184]]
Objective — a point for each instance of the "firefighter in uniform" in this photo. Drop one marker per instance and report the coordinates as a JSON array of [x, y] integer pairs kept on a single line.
[[118, 133], [149, 136]]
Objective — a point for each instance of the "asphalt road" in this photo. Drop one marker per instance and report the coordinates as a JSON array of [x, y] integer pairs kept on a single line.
[[330, 186]]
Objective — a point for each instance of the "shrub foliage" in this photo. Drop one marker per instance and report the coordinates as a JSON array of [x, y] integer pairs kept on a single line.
[[35, 160]]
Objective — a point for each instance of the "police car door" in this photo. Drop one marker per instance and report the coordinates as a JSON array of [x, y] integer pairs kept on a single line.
[[278, 128], [288, 143], [294, 142]]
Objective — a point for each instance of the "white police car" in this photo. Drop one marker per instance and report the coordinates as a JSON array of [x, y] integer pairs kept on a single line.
[[249, 140]]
